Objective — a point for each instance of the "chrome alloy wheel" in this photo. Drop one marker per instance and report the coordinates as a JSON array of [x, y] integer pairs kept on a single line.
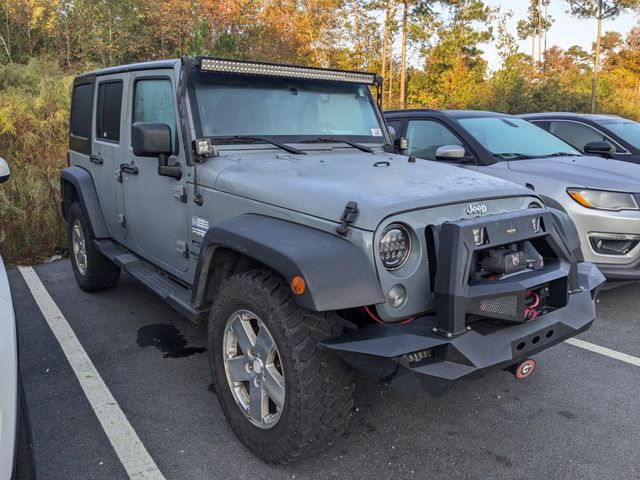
[[253, 368], [79, 247]]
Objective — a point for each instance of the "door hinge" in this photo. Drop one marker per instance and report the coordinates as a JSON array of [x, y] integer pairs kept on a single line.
[[348, 218], [180, 193], [182, 249], [122, 220]]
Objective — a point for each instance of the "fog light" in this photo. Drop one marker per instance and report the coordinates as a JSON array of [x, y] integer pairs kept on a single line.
[[397, 296], [613, 243], [480, 236]]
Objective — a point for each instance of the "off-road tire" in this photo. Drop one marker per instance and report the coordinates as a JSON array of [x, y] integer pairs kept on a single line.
[[319, 386], [101, 273]]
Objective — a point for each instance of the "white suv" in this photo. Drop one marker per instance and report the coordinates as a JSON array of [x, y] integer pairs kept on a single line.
[[16, 457]]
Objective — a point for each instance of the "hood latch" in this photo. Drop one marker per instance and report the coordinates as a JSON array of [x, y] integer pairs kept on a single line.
[[348, 218]]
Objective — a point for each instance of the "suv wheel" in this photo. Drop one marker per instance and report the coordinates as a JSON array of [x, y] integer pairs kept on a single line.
[[93, 271], [283, 395]]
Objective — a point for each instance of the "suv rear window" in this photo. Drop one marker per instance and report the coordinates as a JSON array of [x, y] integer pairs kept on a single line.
[[108, 111], [81, 104]]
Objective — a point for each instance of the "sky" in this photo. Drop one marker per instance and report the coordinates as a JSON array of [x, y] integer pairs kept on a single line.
[[566, 30]]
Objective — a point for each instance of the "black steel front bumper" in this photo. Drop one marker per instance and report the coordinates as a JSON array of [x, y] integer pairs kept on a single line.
[[415, 357]]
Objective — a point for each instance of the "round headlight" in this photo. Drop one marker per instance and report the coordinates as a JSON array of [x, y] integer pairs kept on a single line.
[[395, 246]]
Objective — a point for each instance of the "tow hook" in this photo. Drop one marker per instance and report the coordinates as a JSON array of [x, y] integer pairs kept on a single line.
[[523, 369]]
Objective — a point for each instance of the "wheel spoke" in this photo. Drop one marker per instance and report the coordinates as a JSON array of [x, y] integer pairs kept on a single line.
[[264, 342], [274, 385], [244, 334], [258, 403], [237, 368]]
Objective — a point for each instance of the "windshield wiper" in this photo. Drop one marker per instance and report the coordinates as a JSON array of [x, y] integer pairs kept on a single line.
[[561, 154], [241, 138], [340, 140], [515, 156]]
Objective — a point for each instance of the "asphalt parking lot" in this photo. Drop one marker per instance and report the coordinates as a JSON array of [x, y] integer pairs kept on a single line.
[[577, 417]]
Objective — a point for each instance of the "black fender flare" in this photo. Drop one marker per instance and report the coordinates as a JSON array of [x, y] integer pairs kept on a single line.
[[82, 181], [568, 230], [338, 275]]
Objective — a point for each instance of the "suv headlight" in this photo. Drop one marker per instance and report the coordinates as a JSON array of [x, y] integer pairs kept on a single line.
[[395, 246], [603, 200]]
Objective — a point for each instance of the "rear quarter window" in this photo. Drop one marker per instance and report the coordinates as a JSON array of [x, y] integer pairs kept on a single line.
[[81, 105]]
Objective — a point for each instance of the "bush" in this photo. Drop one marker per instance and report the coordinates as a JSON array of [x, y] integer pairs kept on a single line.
[[34, 112]]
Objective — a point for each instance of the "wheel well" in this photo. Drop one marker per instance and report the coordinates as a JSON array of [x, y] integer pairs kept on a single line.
[[223, 265], [69, 195]]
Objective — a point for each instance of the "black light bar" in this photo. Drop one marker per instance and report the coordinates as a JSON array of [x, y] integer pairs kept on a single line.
[[243, 67]]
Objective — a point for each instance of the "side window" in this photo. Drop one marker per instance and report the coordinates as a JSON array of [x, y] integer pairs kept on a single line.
[[578, 134], [396, 125], [426, 136], [81, 105], [153, 102], [108, 111]]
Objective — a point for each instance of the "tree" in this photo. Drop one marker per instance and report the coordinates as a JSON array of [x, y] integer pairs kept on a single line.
[[600, 10], [416, 17], [536, 25]]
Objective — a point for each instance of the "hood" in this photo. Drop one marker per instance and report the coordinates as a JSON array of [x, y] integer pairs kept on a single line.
[[321, 183], [590, 172]]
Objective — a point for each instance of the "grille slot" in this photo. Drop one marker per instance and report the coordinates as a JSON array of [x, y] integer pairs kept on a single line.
[[432, 257], [501, 305]]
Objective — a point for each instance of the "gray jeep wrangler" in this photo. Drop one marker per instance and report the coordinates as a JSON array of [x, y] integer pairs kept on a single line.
[[265, 199]]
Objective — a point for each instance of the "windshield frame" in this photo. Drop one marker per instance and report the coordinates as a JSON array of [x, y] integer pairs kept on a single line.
[[380, 141], [521, 155]]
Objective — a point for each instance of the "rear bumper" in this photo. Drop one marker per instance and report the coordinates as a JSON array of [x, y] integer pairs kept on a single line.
[[413, 357]]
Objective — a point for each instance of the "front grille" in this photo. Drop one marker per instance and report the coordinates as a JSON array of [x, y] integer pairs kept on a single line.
[[432, 257], [501, 305]]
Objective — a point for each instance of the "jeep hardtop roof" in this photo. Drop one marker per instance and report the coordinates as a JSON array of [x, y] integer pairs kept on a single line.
[[132, 67]]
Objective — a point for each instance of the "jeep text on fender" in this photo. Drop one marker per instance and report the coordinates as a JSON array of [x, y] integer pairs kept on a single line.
[[263, 199]]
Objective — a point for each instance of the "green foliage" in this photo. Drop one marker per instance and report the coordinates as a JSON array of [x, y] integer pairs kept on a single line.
[[34, 106]]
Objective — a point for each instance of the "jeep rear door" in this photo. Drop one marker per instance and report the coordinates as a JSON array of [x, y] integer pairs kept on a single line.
[[156, 209], [105, 159]]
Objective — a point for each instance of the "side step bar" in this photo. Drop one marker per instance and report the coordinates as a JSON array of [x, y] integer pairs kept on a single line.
[[175, 294]]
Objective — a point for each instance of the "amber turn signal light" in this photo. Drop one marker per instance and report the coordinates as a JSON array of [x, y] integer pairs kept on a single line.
[[298, 285], [577, 196]]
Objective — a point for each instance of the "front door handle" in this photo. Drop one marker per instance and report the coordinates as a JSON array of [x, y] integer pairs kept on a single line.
[[97, 159], [129, 168]]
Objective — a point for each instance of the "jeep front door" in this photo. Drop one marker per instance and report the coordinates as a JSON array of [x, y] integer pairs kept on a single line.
[[156, 210]]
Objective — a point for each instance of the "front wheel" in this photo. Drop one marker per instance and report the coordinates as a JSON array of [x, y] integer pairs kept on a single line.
[[283, 395]]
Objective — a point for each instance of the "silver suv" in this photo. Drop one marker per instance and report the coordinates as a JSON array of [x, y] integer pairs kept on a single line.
[[262, 198]]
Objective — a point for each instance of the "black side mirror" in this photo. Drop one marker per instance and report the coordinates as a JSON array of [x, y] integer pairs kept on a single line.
[[151, 139], [154, 140], [597, 148], [5, 173]]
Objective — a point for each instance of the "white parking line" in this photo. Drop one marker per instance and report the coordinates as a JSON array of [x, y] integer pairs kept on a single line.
[[623, 357], [132, 454]]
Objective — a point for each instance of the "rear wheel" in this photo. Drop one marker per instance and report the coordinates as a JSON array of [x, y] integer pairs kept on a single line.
[[93, 271], [283, 395]]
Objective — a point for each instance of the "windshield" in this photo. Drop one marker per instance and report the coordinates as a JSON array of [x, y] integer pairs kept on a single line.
[[287, 109], [627, 130], [511, 138]]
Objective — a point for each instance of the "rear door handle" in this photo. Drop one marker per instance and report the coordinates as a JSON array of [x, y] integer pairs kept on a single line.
[[97, 159], [127, 168]]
